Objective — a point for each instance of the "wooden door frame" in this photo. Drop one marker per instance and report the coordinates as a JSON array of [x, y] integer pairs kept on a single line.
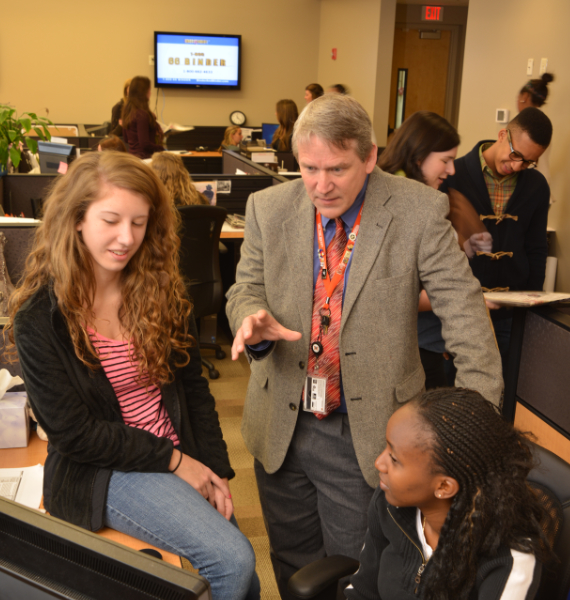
[[453, 90]]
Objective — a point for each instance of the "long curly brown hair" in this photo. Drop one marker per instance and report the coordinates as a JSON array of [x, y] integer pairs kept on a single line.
[[179, 185], [155, 309], [495, 506]]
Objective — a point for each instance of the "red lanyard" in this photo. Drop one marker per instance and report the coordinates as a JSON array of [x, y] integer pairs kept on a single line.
[[331, 283]]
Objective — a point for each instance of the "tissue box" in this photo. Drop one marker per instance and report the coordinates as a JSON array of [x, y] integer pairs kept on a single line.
[[14, 421]]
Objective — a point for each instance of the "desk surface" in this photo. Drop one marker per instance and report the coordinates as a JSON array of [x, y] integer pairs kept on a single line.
[[196, 154], [36, 453], [229, 232]]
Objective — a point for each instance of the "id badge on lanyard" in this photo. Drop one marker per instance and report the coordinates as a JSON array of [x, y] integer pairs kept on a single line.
[[315, 383]]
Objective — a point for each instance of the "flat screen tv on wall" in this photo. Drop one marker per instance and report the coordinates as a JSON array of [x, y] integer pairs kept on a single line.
[[197, 60]]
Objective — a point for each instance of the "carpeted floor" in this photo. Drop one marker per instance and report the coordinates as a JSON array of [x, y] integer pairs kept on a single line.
[[229, 392]]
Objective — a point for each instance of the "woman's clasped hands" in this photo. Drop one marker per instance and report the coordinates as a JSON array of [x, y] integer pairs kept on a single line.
[[213, 488]]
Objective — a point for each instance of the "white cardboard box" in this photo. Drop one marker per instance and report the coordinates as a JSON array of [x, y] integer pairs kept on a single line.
[[14, 420]]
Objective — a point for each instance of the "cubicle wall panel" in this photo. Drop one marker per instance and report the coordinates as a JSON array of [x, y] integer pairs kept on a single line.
[[241, 188], [206, 137], [199, 164], [18, 244], [233, 161], [544, 375], [20, 189]]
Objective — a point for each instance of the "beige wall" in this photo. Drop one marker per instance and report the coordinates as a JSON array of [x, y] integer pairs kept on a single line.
[[73, 57], [74, 60], [362, 31], [501, 37]]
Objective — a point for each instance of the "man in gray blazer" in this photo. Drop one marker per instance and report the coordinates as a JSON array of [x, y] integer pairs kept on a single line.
[[316, 476]]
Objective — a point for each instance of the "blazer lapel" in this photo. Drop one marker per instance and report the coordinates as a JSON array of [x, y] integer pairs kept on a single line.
[[298, 232], [374, 225]]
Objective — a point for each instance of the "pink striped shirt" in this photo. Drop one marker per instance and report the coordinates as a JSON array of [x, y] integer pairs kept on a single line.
[[140, 407]]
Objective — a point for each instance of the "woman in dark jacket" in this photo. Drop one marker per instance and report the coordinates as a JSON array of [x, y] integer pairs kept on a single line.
[[106, 340], [140, 128], [454, 517]]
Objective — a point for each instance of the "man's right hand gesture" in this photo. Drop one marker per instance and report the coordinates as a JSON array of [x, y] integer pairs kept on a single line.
[[258, 327]]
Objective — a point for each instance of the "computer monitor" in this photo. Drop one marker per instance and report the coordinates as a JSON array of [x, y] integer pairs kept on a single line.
[[197, 60], [267, 131], [52, 155], [42, 558]]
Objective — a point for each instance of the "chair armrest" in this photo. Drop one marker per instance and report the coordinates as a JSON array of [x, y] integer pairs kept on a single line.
[[317, 576]]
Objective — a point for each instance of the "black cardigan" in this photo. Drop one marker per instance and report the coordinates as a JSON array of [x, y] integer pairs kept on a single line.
[[525, 237], [80, 413], [391, 559]]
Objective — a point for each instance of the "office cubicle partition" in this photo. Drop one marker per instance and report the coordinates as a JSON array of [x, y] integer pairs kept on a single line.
[[18, 191], [241, 187], [538, 373], [234, 160], [208, 138]]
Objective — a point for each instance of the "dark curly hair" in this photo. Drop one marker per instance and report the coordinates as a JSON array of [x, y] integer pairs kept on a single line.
[[420, 134], [495, 506]]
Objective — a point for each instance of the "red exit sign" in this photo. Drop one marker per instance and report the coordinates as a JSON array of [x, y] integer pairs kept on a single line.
[[432, 13]]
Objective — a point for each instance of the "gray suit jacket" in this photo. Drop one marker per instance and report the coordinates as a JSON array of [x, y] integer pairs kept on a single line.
[[404, 241]]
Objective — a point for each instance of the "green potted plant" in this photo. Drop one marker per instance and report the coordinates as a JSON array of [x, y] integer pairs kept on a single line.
[[14, 133]]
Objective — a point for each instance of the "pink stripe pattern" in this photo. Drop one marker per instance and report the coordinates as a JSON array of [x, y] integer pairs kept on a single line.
[[141, 407]]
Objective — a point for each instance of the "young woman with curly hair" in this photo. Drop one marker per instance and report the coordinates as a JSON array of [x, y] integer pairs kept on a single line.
[[454, 517], [106, 339], [172, 172], [141, 131], [287, 114]]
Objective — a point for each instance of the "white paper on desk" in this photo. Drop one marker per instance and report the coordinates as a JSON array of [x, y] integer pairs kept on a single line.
[[58, 140], [7, 381], [30, 487], [240, 172], [17, 220]]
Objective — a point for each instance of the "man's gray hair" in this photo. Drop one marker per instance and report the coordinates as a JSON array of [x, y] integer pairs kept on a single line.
[[336, 120]]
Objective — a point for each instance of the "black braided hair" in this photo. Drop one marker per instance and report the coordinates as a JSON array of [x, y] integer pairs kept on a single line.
[[495, 506]]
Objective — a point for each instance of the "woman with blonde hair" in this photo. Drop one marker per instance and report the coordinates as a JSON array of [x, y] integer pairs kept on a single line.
[[232, 138], [106, 339], [287, 114], [172, 172]]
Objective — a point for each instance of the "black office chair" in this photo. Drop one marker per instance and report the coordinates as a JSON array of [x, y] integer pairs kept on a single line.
[[553, 473], [200, 265], [551, 478]]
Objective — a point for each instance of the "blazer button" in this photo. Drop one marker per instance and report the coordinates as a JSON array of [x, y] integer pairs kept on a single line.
[[292, 406], [301, 365]]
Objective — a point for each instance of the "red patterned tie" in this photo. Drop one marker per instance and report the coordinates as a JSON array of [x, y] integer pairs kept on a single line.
[[329, 360]]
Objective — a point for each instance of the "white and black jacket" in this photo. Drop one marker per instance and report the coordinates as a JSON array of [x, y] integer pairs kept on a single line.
[[392, 564]]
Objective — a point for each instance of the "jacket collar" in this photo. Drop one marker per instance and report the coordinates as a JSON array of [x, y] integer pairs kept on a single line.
[[299, 230]]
